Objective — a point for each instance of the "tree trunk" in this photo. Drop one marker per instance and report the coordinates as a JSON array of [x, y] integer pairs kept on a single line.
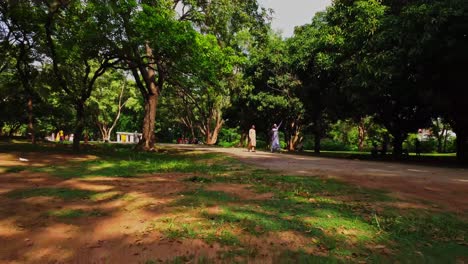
[[294, 140], [317, 137], [290, 145], [398, 139], [148, 139], [31, 121], [79, 125], [439, 143], [212, 136], [151, 96], [444, 148], [243, 139], [462, 145], [362, 134], [106, 135]]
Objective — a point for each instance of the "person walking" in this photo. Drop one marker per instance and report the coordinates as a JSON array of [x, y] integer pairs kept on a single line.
[[252, 139], [275, 144]]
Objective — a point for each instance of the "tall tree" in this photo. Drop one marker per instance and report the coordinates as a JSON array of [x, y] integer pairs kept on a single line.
[[437, 46], [153, 37], [20, 41], [376, 68], [78, 52], [315, 49]]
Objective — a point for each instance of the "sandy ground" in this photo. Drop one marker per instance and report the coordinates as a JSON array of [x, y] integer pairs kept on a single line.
[[446, 187]]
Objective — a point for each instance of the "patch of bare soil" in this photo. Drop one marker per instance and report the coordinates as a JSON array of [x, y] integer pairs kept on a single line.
[[111, 225], [416, 192], [242, 191], [39, 159]]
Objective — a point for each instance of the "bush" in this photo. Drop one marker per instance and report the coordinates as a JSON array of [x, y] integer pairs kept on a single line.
[[262, 144], [331, 145], [229, 137]]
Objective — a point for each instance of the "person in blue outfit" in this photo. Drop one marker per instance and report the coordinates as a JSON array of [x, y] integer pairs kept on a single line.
[[275, 145]]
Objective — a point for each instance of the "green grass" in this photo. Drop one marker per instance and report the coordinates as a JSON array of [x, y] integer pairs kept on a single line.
[[133, 164], [340, 218], [12, 169], [340, 223], [66, 214]]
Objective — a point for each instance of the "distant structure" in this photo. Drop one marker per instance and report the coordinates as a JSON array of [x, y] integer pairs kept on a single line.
[[425, 134], [128, 137]]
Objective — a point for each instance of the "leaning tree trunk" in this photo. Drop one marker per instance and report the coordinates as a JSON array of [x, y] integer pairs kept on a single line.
[[295, 137], [211, 136]]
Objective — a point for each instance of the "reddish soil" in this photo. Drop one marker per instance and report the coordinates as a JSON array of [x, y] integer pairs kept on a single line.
[[114, 231], [116, 227], [117, 223]]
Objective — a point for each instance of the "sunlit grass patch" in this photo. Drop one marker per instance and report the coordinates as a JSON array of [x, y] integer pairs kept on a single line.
[[203, 198], [105, 196], [63, 193], [189, 225], [74, 213], [12, 169], [67, 213], [132, 164]]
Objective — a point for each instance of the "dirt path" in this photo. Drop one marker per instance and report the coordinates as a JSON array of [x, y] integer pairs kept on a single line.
[[444, 186]]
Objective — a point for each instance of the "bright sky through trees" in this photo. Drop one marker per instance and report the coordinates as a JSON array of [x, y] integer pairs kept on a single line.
[[291, 13]]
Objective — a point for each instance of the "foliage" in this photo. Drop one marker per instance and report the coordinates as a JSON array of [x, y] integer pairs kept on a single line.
[[229, 137], [113, 94]]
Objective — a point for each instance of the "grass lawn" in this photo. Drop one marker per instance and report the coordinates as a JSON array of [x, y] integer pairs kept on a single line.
[[176, 206]]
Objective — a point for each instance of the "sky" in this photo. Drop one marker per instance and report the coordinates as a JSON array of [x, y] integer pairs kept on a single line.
[[291, 13]]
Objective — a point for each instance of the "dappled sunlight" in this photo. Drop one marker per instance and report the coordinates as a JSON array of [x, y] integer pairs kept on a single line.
[[8, 228], [84, 185], [157, 207]]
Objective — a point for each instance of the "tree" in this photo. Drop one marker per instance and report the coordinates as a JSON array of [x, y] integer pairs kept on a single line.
[[79, 55], [315, 48], [150, 36], [270, 95], [113, 93], [20, 39], [438, 47], [376, 68]]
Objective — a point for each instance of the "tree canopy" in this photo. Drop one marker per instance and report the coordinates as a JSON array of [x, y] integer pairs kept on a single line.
[[383, 69]]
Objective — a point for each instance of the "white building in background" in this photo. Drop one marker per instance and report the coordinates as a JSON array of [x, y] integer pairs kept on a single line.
[[128, 137], [425, 134]]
